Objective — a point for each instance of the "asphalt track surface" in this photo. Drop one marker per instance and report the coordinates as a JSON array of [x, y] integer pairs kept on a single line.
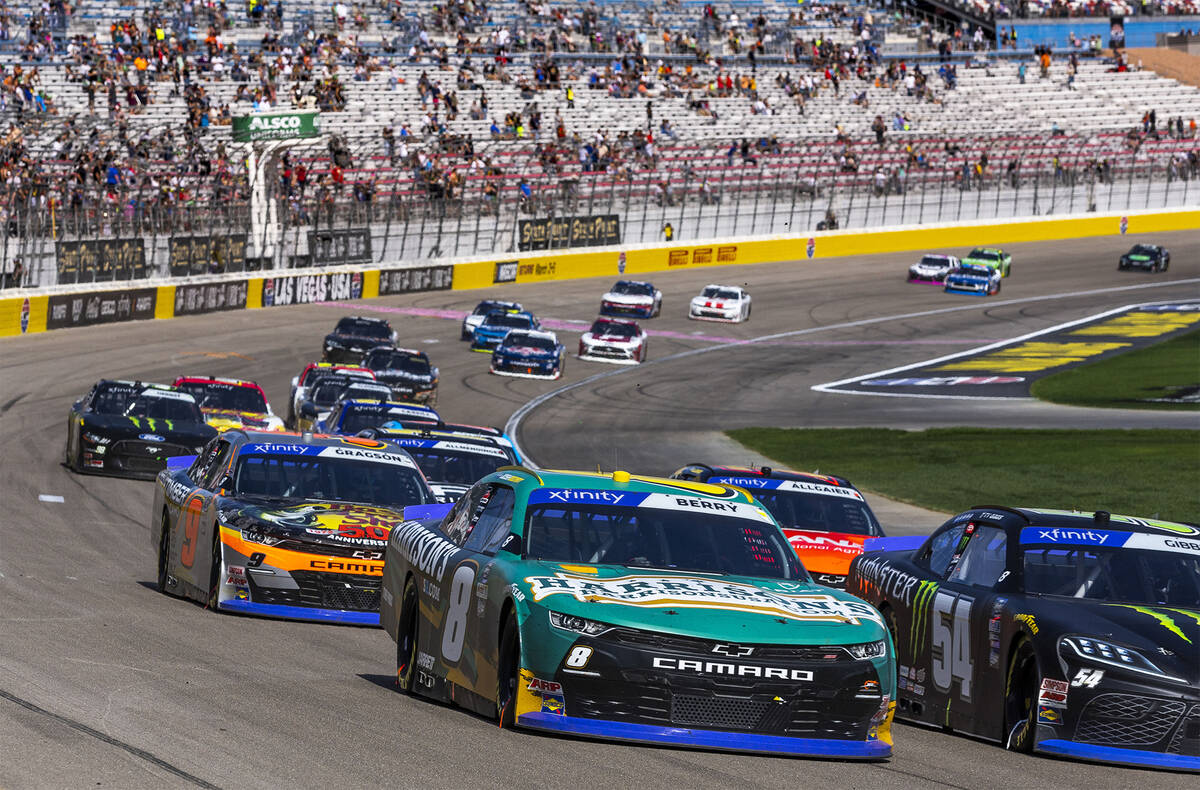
[[106, 683]]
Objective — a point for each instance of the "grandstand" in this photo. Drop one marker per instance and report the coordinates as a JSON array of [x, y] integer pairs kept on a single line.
[[445, 123]]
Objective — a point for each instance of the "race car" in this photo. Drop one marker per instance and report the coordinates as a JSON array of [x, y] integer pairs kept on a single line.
[[354, 336], [350, 414], [129, 428], [991, 257], [302, 382], [826, 519], [932, 269], [451, 461], [475, 318], [231, 403], [456, 429], [326, 390], [1148, 257], [407, 371], [634, 609], [629, 297], [529, 355], [496, 325], [969, 278], [1066, 633], [283, 525], [614, 340], [728, 303]]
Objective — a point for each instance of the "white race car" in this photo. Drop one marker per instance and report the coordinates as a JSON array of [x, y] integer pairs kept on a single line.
[[614, 340], [932, 269], [633, 298], [720, 303]]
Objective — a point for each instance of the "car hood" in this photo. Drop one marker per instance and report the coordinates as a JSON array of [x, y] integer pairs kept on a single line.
[[929, 267], [359, 339], [395, 374], [628, 298], [224, 419], [963, 277], [715, 302], [1168, 636], [1138, 257], [118, 426], [618, 340], [312, 523], [724, 608], [527, 352]]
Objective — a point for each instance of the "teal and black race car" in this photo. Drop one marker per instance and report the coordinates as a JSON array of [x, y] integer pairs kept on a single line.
[[633, 609], [991, 257]]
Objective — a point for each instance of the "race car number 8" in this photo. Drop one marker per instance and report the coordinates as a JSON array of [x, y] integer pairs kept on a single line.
[[578, 657], [454, 630]]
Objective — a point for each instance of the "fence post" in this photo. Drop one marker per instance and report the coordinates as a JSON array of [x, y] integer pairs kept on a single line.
[[683, 200], [720, 205], [942, 191], [774, 200]]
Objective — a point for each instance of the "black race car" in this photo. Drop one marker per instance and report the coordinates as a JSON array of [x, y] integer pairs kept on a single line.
[[452, 462], [1066, 633], [1148, 257], [130, 428], [406, 371], [354, 336], [282, 525], [324, 391]]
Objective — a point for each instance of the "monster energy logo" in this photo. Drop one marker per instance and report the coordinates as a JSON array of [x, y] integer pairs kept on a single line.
[[920, 623], [1166, 621], [137, 423]]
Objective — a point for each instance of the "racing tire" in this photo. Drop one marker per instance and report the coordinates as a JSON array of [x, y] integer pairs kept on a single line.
[[464, 335], [215, 570], [749, 310], [1020, 699], [164, 552], [406, 639], [508, 674]]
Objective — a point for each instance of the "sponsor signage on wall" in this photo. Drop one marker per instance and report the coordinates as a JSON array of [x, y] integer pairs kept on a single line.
[[415, 279], [104, 307], [191, 255], [309, 288], [100, 260], [210, 297], [338, 247], [276, 126], [556, 233]]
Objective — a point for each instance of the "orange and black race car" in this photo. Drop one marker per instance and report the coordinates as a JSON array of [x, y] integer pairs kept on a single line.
[[826, 519], [231, 403], [283, 525]]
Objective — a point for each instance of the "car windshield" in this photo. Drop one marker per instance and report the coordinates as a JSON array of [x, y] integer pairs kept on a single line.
[[645, 537], [935, 260], [483, 308], [392, 359], [327, 391], [613, 329], [113, 399], [513, 320], [720, 293], [360, 416], [384, 483], [971, 269], [163, 407], [218, 395], [524, 340], [456, 466], [1120, 575], [818, 512], [633, 289], [360, 328], [1142, 249], [985, 255]]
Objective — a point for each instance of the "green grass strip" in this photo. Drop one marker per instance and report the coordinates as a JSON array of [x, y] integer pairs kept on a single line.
[[1132, 380], [1148, 473]]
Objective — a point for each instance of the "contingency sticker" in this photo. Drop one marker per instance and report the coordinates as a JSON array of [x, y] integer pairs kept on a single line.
[[768, 484], [693, 504], [702, 593]]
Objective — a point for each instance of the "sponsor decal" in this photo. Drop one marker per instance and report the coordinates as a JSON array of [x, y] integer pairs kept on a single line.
[[702, 593], [25, 315], [943, 381], [176, 491], [728, 668], [677, 258], [210, 297], [766, 483], [621, 262], [1048, 715], [1164, 616], [506, 272], [1087, 678], [309, 288], [1033, 356], [554, 704], [1029, 620], [281, 449], [808, 542], [994, 628], [364, 454], [69, 310], [733, 651], [425, 551], [432, 591], [647, 500], [920, 623], [415, 279], [151, 437], [810, 249], [702, 256], [424, 660], [539, 686], [1053, 693], [236, 575], [1124, 225], [890, 582], [727, 254], [345, 566], [1073, 537], [517, 592]]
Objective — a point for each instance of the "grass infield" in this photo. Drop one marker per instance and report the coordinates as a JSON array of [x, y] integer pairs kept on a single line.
[[1132, 380], [1149, 473]]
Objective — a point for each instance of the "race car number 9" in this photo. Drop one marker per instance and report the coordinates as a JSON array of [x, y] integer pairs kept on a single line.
[[454, 630], [191, 526]]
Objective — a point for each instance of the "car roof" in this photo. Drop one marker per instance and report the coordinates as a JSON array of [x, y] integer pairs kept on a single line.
[[538, 333], [525, 313], [495, 302], [633, 282], [618, 481], [245, 436], [718, 285], [366, 319], [475, 439], [777, 474], [1020, 517], [217, 380]]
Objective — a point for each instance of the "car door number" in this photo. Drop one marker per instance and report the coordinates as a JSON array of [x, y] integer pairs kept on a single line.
[[950, 652], [454, 630]]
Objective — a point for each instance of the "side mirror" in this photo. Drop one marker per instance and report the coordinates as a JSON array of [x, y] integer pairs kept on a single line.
[[295, 382], [225, 483], [308, 409]]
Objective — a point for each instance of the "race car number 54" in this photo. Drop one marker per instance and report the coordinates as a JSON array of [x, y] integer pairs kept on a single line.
[[950, 654]]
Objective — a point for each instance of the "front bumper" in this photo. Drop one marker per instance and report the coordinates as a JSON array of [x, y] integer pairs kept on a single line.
[[484, 344], [130, 458], [599, 352], [284, 612], [520, 369], [1146, 265], [969, 290], [707, 739], [1119, 756], [932, 279]]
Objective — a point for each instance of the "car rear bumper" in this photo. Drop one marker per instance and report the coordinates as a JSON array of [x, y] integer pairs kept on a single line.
[[706, 739], [723, 316], [1119, 756], [635, 310], [526, 373]]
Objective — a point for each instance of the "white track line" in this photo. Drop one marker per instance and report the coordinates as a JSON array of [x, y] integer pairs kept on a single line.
[[514, 422], [50, 498]]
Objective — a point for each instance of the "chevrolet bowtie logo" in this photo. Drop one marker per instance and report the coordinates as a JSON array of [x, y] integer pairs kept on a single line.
[[733, 651]]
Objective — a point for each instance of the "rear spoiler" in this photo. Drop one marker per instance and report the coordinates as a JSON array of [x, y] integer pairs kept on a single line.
[[898, 543], [427, 512]]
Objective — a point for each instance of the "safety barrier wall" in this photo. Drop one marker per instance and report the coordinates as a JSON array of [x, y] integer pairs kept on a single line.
[[39, 311]]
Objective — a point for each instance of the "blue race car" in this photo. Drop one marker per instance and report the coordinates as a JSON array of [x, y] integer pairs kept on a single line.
[[973, 278], [348, 416], [472, 321], [529, 355], [498, 324]]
